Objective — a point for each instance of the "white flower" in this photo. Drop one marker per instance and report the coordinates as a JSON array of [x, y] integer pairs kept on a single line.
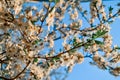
[[50, 19], [17, 9], [70, 67], [74, 15], [31, 53], [67, 46], [37, 70], [30, 13], [80, 22], [51, 43], [96, 57], [40, 12], [92, 20], [34, 7], [11, 51], [79, 57]]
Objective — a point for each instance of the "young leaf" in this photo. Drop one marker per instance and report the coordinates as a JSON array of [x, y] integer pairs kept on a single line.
[[117, 48], [33, 22], [98, 34], [56, 1], [25, 51], [110, 9], [110, 22], [72, 51], [55, 59], [36, 41], [50, 0], [98, 42], [35, 60], [74, 42]]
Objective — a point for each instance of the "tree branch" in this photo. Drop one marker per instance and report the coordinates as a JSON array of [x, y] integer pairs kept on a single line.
[[17, 74]]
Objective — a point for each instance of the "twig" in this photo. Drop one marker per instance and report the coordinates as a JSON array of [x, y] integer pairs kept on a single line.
[[17, 74], [58, 55]]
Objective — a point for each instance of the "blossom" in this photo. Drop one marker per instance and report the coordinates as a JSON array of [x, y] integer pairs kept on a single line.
[[51, 43], [50, 19], [30, 13], [17, 9], [74, 15], [37, 70], [35, 44]]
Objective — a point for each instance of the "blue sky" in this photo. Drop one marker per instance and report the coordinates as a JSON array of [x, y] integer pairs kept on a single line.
[[85, 71]]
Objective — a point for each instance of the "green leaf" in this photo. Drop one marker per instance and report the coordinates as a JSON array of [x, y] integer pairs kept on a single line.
[[87, 45], [50, 0], [25, 51], [37, 41], [89, 40], [94, 3], [55, 59], [33, 22], [7, 34], [56, 1], [110, 22], [76, 27], [99, 42], [110, 9], [75, 42], [117, 48], [35, 60], [102, 33], [98, 34], [72, 50]]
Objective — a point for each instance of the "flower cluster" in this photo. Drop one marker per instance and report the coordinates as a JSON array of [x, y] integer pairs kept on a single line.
[[29, 36]]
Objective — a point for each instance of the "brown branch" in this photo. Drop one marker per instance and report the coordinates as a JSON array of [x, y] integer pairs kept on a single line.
[[58, 55], [17, 74], [3, 51], [22, 71], [3, 61]]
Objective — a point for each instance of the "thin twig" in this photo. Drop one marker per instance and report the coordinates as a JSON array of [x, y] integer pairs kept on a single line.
[[58, 55], [17, 74]]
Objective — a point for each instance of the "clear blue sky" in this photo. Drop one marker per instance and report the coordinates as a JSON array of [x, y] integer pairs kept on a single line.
[[85, 71]]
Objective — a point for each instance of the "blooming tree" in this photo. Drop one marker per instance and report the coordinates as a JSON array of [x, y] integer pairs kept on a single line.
[[29, 35]]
